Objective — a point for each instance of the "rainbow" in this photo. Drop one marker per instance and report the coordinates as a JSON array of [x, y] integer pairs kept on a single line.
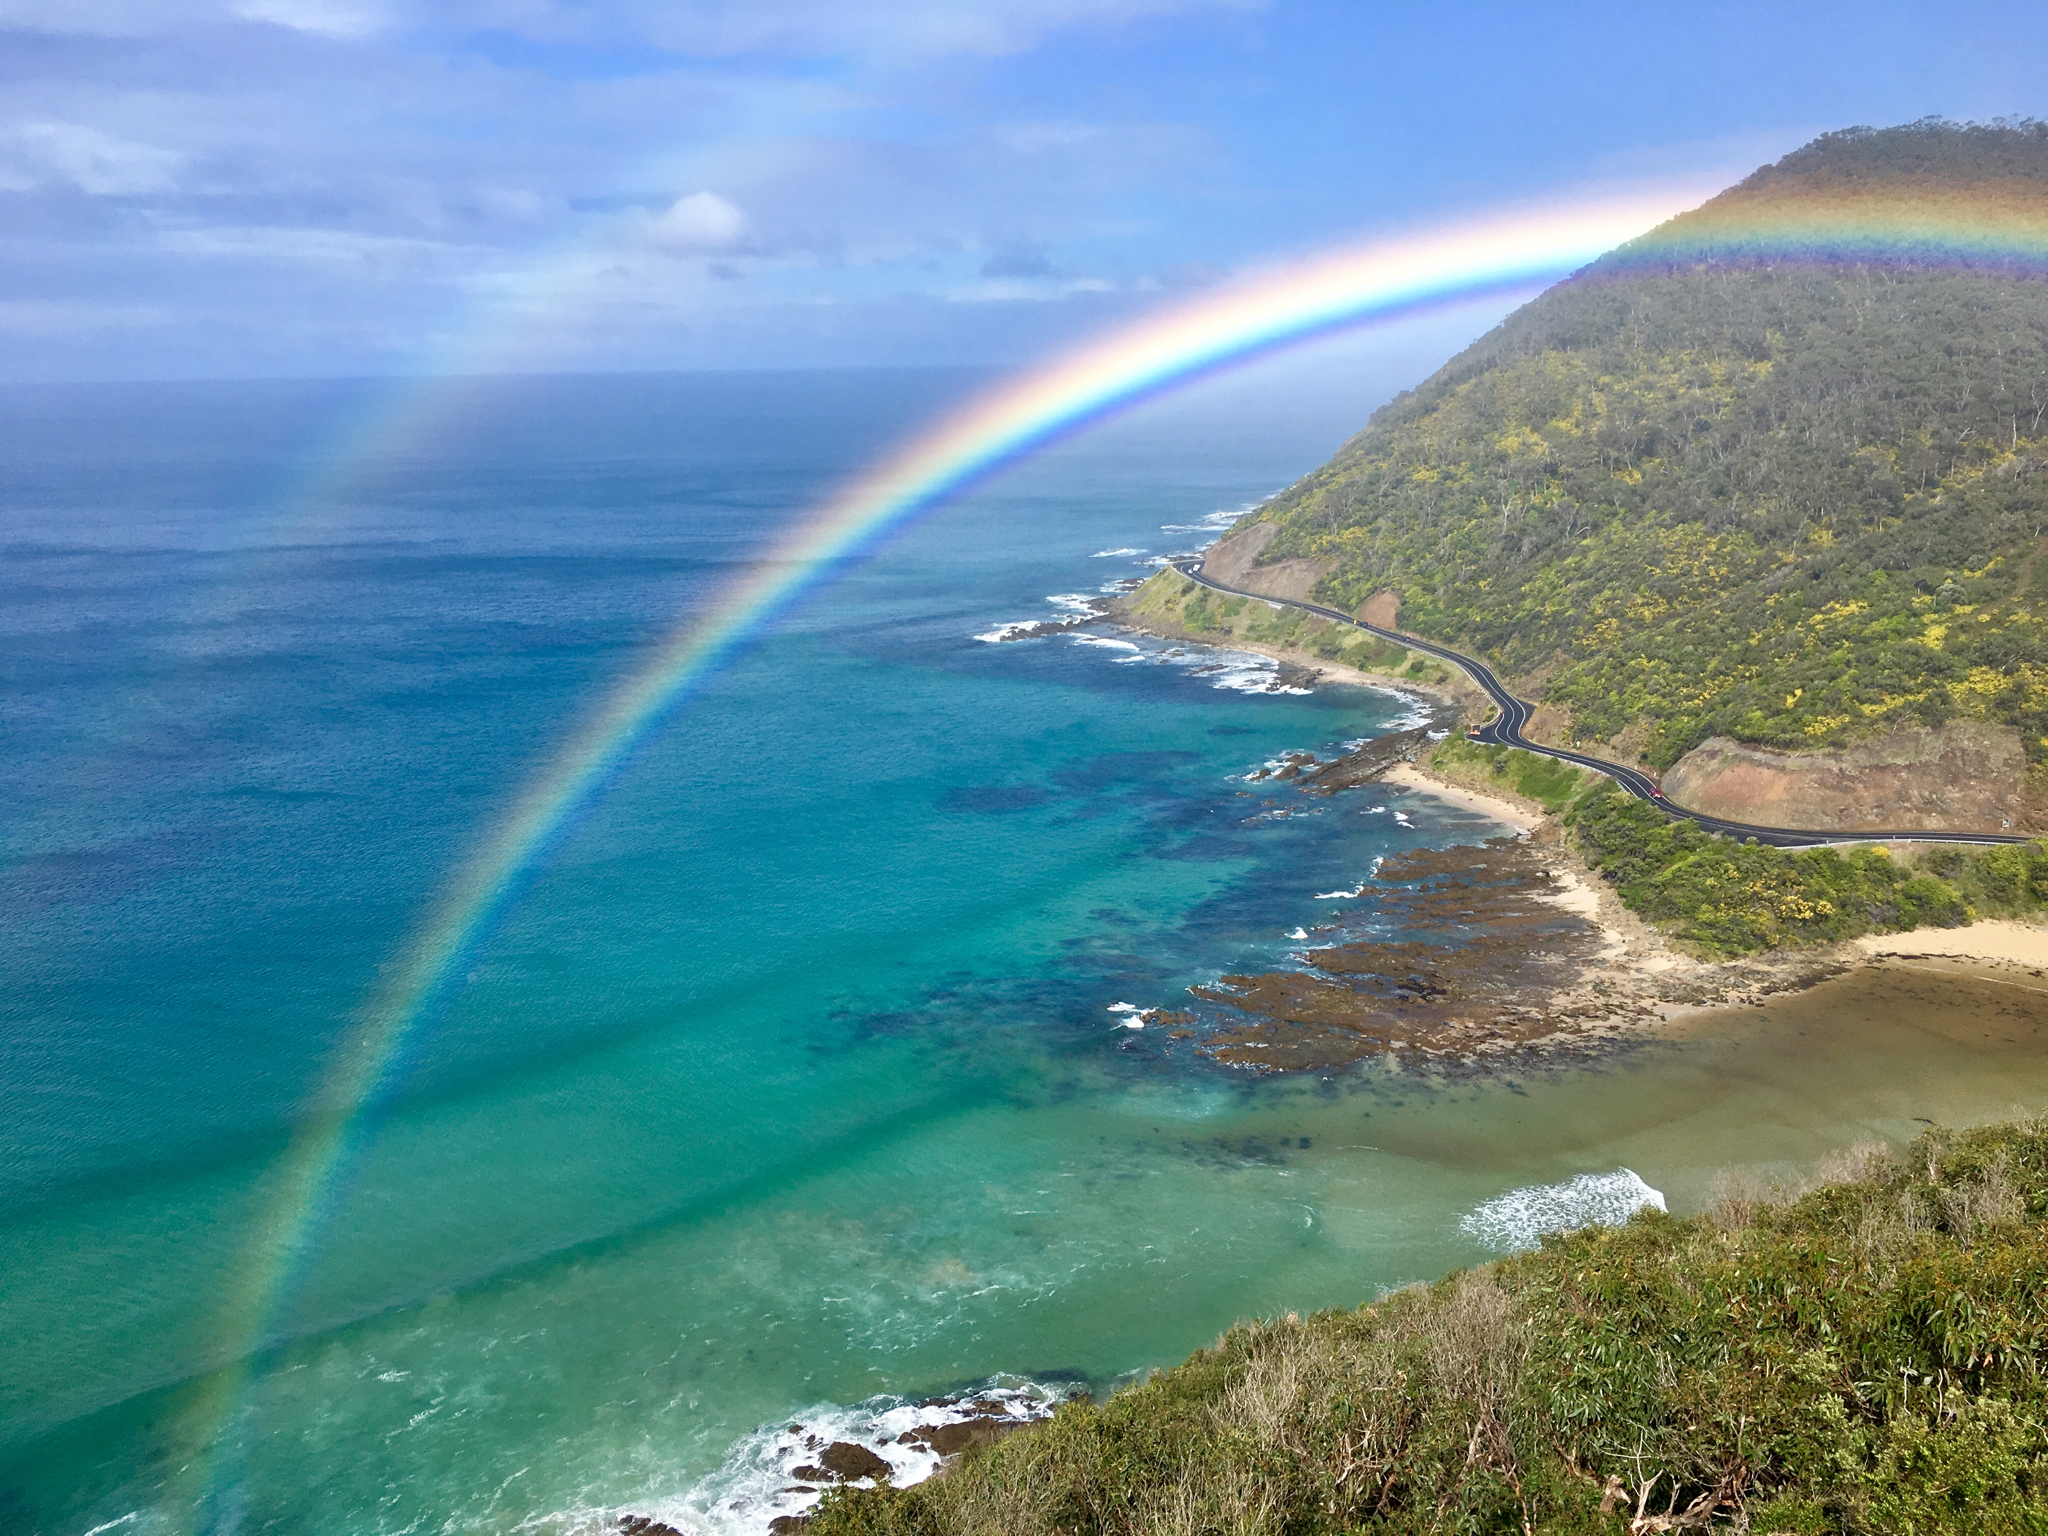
[[1374, 282]]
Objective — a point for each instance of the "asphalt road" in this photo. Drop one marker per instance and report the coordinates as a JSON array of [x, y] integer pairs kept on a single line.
[[1505, 729]]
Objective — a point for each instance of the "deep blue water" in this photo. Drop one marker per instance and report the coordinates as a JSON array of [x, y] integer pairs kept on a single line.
[[789, 1079]]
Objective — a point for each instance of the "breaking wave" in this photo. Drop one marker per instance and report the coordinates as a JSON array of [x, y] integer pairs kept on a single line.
[[1519, 1218], [771, 1472]]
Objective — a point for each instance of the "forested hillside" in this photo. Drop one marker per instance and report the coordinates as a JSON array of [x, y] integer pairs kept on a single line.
[[1707, 487]]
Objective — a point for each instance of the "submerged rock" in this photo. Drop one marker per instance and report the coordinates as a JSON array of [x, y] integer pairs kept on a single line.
[[1499, 953]]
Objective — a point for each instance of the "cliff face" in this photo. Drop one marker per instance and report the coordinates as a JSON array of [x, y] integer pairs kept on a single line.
[[1961, 777], [1234, 561], [1727, 485]]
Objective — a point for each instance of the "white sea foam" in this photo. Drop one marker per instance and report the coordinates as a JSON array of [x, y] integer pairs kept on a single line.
[[1401, 817], [1008, 631], [1073, 602], [1137, 1018], [1341, 895], [1236, 671], [1519, 1218], [754, 1485], [1111, 554], [1244, 673], [1215, 522], [1299, 933]]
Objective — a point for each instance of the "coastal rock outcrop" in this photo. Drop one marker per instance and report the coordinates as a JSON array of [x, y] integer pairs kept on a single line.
[[1501, 950], [1364, 765]]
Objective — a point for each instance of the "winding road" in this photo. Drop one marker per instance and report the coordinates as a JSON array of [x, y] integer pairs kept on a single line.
[[1505, 729]]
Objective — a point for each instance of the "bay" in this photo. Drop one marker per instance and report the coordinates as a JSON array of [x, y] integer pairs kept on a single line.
[[792, 1076]]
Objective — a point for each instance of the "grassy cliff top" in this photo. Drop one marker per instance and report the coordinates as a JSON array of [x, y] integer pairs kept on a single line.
[[1700, 489], [1869, 1358]]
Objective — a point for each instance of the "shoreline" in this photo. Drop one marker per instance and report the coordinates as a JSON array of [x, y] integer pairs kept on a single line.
[[1459, 694], [1639, 985], [1687, 992]]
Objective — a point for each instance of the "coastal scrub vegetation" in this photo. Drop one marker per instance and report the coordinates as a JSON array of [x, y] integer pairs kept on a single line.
[[1730, 898], [1698, 491], [1866, 1357], [1547, 781], [1726, 897], [1170, 601]]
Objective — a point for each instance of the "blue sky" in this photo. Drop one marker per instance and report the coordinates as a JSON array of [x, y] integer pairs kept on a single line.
[[263, 187]]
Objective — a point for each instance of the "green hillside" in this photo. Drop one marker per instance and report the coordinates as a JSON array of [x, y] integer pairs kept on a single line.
[[1869, 1359], [1692, 492]]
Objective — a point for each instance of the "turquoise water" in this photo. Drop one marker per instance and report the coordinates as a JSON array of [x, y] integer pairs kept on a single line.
[[792, 1078]]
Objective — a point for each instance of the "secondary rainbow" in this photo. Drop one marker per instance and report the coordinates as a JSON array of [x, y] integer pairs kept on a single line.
[[1373, 282]]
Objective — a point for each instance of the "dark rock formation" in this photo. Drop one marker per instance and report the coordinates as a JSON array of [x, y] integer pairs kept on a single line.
[[1367, 763], [847, 1461]]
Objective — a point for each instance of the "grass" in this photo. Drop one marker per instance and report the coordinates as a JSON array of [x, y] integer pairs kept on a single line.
[[1550, 783], [1866, 1357], [1171, 599]]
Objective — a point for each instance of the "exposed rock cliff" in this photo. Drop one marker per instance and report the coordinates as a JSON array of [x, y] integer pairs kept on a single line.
[[1964, 776]]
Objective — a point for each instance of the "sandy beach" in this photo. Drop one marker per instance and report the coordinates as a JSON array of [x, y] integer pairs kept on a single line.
[[1631, 981], [1651, 985], [1998, 940], [1408, 776]]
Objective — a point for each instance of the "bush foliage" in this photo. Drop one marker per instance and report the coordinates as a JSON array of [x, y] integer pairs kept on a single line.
[[1730, 898], [1171, 598], [1867, 1359], [1547, 781]]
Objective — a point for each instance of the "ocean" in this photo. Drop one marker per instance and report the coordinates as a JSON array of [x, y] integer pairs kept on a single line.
[[803, 1076]]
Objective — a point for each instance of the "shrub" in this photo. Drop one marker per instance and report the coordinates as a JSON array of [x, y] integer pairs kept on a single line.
[[1865, 1357]]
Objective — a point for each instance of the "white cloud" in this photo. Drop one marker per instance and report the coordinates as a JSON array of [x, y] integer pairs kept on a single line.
[[322, 18], [39, 154], [700, 222], [901, 30]]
